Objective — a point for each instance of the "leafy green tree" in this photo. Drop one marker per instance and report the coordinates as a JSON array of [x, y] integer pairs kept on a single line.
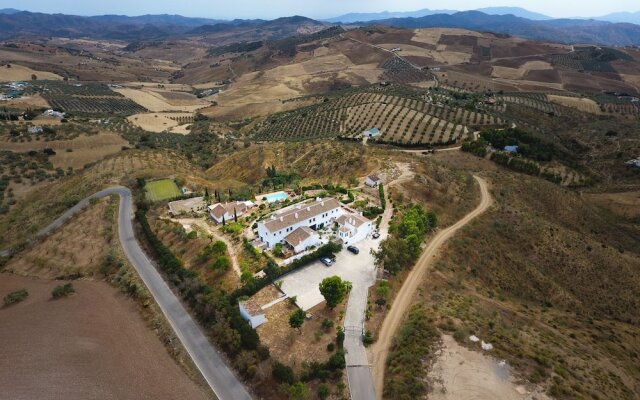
[[296, 319], [334, 290]]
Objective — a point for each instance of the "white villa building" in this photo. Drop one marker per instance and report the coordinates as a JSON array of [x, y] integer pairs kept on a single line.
[[225, 211], [297, 225], [353, 228]]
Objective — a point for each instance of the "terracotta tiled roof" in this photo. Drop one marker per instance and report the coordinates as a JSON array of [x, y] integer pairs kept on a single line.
[[300, 213], [299, 235]]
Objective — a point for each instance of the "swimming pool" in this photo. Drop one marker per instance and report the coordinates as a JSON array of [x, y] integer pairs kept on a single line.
[[273, 197]]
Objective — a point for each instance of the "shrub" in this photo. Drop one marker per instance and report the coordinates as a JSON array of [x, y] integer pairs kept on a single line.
[[331, 347], [62, 290], [323, 391], [15, 297], [340, 339], [222, 263], [282, 373], [368, 338]]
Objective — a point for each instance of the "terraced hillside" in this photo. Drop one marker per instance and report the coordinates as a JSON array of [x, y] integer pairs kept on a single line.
[[405, 117]]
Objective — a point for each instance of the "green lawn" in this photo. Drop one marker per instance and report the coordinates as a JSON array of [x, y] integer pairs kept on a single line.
[[162, 190]]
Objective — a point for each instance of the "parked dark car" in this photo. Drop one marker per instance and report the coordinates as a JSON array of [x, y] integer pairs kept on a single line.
[[353, 249]]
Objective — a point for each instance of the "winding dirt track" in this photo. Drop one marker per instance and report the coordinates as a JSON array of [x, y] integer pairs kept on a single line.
[[404, 298]]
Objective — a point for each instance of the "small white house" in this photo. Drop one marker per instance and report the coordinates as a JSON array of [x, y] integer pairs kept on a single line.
[[35, 130], [372, 133], [55, 114], [220, 212], [373, 181], [353, 228], [252, 313], [302, 238]]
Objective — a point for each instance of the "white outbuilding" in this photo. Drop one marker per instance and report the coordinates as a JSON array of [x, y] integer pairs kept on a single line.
[[252, 313]]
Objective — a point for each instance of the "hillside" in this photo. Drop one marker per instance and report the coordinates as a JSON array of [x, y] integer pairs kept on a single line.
[[548, 279], [562, 31]]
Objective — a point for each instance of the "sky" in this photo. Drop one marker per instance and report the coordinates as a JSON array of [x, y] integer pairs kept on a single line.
[[269, 9]]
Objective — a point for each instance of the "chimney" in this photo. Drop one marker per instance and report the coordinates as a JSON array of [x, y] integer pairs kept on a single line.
[[296, 214], [309, 209], [281, 219]]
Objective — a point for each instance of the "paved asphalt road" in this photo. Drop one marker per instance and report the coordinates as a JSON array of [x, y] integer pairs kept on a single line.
[[218, 375]]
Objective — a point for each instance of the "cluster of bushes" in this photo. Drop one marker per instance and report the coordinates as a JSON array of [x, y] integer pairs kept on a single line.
[[332, 370], [402, 248], [62, 290], [476, 147], [383, 203], [288, 46], [529, 145], [240, 47], [414, 342], [216, 311], [215, 255], [278, 179], [372, 212]]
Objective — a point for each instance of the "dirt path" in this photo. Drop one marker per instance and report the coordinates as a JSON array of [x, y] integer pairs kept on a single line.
[[190, 222], [404, 298]]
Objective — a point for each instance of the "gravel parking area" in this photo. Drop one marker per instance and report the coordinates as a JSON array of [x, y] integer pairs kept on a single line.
[[357, 269]]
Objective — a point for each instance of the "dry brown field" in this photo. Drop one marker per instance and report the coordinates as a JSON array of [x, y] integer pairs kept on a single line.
[[21, 73], [91, 345], [160, 122], [84, 149]]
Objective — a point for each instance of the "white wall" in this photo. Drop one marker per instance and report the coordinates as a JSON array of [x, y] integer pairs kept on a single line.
[[271, 238]]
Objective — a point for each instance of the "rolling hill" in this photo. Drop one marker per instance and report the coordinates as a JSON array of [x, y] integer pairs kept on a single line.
[[557, 30]]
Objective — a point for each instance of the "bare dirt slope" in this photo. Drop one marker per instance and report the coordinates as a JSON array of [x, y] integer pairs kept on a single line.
[[92, 345], [405, 296], [462, 374]]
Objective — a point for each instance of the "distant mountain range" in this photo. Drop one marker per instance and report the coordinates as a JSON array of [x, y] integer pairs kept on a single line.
[[628, 17], [366, 17], [502, 20], [558, 30]]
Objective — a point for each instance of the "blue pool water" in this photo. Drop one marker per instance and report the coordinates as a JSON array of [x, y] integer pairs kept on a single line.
[[273, 197]]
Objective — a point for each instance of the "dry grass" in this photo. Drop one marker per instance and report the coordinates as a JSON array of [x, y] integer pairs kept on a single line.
[[520, 72], [32, 213], [155, 102], [291, 347], [22, 73], [582, 104], [75, 153], [160, 122], [77, 248], [549, 280], [321, 161]]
